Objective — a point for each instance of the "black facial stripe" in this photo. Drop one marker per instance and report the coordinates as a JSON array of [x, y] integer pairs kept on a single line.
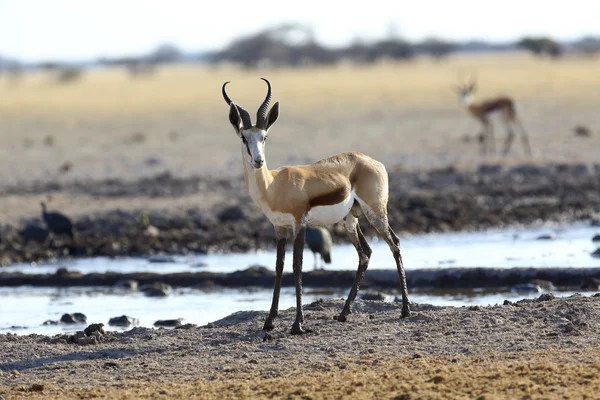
[[247, 146]]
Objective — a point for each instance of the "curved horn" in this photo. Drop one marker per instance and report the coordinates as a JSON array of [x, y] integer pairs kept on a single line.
[[243, 113], [261, 114], [227, 99]]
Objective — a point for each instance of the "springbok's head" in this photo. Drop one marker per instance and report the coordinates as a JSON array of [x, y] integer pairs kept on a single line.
[[253, 136], [466, 91]]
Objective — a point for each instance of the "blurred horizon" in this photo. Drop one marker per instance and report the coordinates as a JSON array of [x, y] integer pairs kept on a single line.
[[68, 30]]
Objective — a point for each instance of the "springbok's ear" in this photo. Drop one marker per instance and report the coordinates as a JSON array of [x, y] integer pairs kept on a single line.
[[273, 115], [235, 119]]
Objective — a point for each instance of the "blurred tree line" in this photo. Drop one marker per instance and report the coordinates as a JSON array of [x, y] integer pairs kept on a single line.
[[295, 45]]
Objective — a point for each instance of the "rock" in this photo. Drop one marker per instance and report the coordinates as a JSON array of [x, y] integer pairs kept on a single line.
[[50, 322], [526, 288], [187, 326], [156, 289], [374, 296], [232, 213], [94, 328], [169, 323], [129, 284], [547, 236], [596, 253], [161, 258], [152, 231], [595, 222], [199, 265], [582, 131], [545, 297], [75, 318], [93, 334], [123, 320], [596, 238]]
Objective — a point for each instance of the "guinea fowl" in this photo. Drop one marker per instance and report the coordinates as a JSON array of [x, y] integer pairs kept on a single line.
[[319, 242], [57, 223]]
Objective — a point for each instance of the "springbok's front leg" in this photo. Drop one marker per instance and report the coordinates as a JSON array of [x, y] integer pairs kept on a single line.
[[298, 252], [281, 237]]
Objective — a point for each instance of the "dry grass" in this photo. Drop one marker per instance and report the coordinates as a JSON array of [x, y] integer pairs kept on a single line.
[[553, 374], [407, 115]]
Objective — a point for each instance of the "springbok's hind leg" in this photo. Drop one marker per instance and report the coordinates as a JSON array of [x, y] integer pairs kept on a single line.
[[281, 237], [395, 247], [297, 264], [364, 254], [381, 225], [524, 138], [510, 136]]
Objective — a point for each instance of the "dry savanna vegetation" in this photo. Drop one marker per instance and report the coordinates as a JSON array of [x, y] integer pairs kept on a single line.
[[406, 114]]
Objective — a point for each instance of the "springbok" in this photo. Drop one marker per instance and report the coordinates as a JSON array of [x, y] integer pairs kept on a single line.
[[483, 110], [341, 187]]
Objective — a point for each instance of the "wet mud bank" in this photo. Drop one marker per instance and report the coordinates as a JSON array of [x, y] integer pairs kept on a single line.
[[427, 201], [522, 279]]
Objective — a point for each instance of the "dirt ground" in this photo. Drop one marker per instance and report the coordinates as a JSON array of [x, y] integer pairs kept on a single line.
[[535, 349]]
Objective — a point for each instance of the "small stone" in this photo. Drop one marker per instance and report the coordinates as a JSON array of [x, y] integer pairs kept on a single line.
[[374, 296], [508, 303], [253, 361], [168, 323], [37, 387], [75, 318], [152, 231], [596, 238], [123, 320], [92, 328], [547, 236], [417, 355], [546, 297], [474, 308], [186, 326]]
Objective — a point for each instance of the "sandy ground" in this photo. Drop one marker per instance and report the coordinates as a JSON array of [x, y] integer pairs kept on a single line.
[[536, 349]]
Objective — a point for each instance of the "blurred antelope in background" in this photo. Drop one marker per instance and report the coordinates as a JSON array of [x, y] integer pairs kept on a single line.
[[483, 111]]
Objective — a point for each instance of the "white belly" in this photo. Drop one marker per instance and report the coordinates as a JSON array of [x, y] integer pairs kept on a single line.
[[317, 216], [327, 215]]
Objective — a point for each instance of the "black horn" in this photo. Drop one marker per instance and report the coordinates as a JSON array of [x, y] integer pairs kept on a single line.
[[261, 114], [243, 113]]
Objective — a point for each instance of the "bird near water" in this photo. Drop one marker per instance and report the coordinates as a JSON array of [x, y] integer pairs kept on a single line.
[[57, 223], [319, 242]]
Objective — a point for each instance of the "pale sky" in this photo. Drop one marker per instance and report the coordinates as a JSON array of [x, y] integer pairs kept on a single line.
[[34, 30]]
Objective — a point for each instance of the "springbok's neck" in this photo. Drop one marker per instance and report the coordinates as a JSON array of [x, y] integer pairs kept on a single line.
[[258, 181]]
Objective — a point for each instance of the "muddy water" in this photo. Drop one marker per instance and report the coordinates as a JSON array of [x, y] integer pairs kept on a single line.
[[24, 309]]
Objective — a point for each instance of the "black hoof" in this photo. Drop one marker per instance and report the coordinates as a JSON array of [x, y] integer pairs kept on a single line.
[[297, 329], [341, 318], [268, 326]]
